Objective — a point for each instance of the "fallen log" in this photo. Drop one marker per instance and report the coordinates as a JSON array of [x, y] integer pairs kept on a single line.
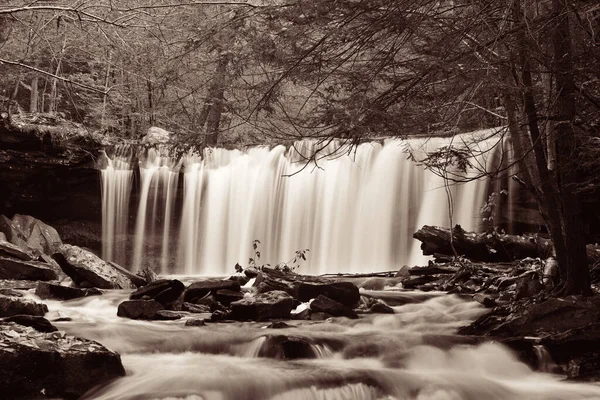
[[488, 246]]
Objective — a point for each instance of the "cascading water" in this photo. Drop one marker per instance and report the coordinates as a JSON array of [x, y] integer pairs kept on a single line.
[[117, 177], [356, 213]]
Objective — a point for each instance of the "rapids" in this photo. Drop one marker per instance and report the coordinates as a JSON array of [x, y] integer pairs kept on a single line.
[[412, 354]]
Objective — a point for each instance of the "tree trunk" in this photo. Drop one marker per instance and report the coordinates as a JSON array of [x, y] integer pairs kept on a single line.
[[33, 96], [577, 278], [216, 98]]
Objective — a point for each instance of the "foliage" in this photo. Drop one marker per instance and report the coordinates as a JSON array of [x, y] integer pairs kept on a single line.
[[290, 265]]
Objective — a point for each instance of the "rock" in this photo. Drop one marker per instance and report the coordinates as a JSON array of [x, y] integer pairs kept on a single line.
[[196, 308], [10, 250], [84, 266], [345, 293], [486, 301], [12, 233], [199, 289], [287, 348], [47, 290], [226, 297], [164, 291], [168, 315], [156, 135], [528, 285], [413, 283], [278, 325], [56, 365], [3, 237], [210, 301], [403, 272], [25, 270], [332, 307], [10, 306], [319, 316], [148, 275], [251, 272], [263, 307], [219, 315], [139, 309], [137, 280], [381, 308], [17, 284], [195, 322], [36, 234], [38, 323], [11, 292], [240, 278]]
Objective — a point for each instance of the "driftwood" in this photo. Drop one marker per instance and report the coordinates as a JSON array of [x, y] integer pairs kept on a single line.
[[488, 247]]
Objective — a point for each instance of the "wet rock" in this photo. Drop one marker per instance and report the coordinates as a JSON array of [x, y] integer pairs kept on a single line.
[[17, 284], [251, 272], [36, 234], [38, 323], [381, 308], [262, 307], [200, 289], [196, 308], [137, 280], [319, 316], [11, 292], [195, 322], [287, 348], [47, 290], [414, 283], [486, 301], [379, 283], [210, 301], [168, 315], [278, 325], [10, 306], [164, 291], [8, 249], [403, 272], [148, 275], [240, 278], [84, 266], [345, 293], [25, 270], [326, 305], [219, 315], [59, 366], [226, 297], [139, 309]]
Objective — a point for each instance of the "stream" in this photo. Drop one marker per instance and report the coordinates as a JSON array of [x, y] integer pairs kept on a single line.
[[412, 354]]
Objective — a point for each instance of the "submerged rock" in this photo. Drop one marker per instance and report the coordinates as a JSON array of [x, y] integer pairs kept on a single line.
[[199, 289], [25, 270], [262, 307], [287, 348], [168, 315], [195, 322], [326, 305], [139, 309], [84, 266], [164, 291], [34, 364], [381, 308], [10, 306], [47, 290]]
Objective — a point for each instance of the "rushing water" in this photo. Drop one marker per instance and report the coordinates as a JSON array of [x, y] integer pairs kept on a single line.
[[409, 355], [356, 213]]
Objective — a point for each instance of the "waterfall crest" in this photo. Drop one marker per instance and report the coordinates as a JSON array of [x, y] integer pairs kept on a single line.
[[356, 212]]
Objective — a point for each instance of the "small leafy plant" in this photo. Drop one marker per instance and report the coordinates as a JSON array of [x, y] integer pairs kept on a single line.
[[285, 266]]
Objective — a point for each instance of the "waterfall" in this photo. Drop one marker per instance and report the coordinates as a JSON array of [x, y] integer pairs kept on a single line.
[[117, 178], [355, 212]]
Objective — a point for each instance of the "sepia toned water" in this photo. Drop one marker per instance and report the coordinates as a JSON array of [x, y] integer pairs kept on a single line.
[[355, 211], [412, 354]]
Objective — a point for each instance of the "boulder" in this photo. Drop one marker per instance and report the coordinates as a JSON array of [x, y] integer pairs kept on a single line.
[[199, 289], [36, 234], [326, 305], [25, 270], [345, 293], [137, 280], [263, 307], [53, 364], [381, 308], [10, 306], [10, 250], [164, 291], [148, 275], [84, 266], [38, 323], [47, 290], [226, 296], [156, 135], [139, 309]]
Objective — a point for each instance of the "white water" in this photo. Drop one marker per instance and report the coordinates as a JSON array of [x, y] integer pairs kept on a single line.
[[409, 355], [355, 213]]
